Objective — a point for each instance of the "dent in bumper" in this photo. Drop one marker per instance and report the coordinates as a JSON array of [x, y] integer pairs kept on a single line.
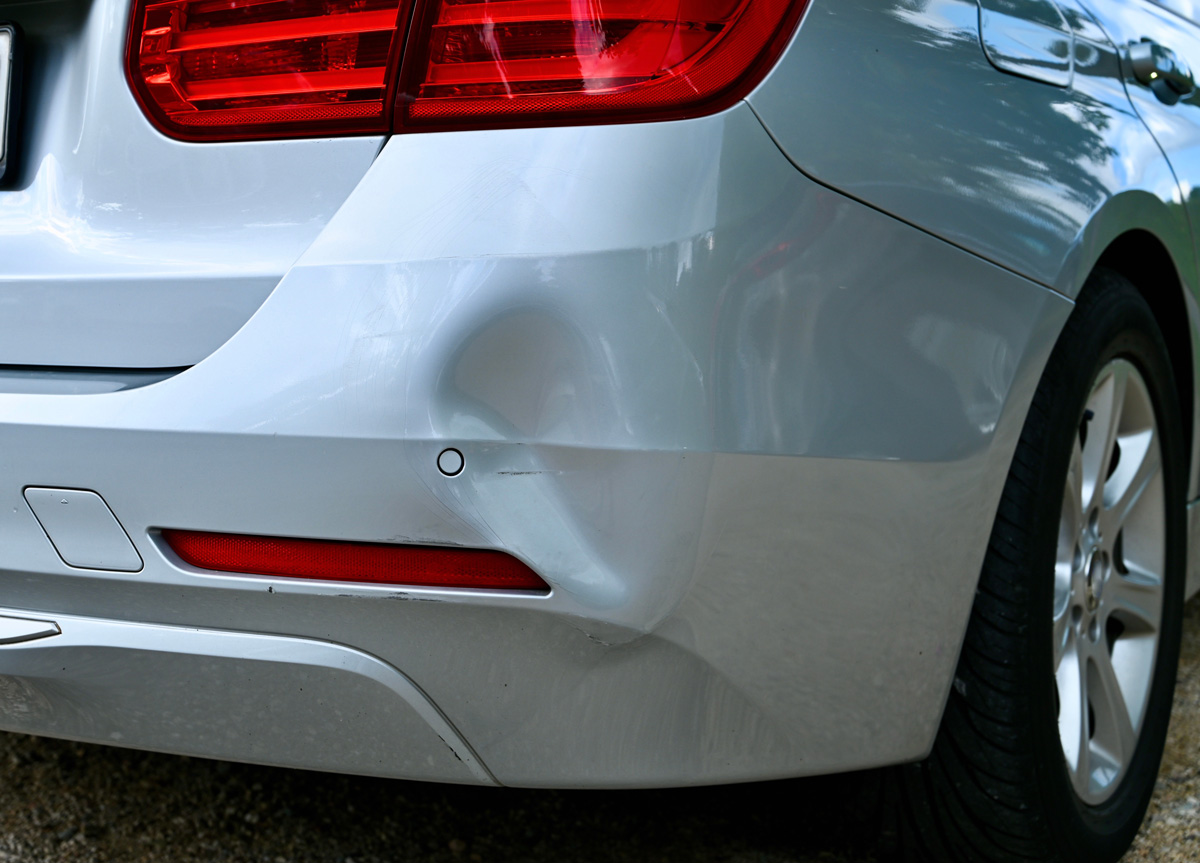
[[750, 431]]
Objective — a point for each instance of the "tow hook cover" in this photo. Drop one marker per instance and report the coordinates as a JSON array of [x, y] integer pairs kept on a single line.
[[82, 529]]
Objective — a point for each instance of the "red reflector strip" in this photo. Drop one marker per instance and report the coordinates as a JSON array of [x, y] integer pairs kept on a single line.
[[373, 563]]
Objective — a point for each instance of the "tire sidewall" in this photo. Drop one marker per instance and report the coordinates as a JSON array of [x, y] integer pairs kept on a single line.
[[1111, 321]]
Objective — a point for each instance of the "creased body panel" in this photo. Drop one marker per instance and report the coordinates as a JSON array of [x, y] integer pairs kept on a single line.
[[750, 431]]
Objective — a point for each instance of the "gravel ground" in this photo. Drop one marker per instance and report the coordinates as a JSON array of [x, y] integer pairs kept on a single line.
[[71, 802], [1172, 828]]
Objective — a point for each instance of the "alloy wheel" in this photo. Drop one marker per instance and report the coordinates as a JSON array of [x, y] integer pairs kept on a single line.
[[1108, 590]]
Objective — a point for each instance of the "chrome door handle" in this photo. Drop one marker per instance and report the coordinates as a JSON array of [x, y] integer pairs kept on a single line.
[[1162, 70]]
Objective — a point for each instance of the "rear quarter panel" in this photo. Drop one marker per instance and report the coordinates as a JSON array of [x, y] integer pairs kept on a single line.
[[896, 104]]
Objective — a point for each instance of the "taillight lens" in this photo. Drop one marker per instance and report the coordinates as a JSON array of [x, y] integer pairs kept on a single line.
[[228, 69], [373, 563], [485, 62], [266, 68]]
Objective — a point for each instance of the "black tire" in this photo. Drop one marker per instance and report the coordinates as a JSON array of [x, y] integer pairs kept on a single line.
[[996, 786]]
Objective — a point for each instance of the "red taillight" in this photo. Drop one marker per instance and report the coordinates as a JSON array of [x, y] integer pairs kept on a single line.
[[375, 563], [516, 62], [232, 69], [266, 68]]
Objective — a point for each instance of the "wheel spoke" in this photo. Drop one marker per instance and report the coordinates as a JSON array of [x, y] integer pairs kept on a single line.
[[1072, 712], [1114, 733], [1125, 488], [1074, 497], [1135, 599], [1062, 635], [1068, 559], [1105, 405]]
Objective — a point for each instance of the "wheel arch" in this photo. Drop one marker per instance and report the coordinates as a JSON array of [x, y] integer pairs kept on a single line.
[[1144, 260]]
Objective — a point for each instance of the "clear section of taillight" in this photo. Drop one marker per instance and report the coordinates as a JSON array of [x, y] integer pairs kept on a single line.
[[517, 62], [266, 68]]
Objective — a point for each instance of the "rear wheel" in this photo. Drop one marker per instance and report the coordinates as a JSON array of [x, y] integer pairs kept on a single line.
[[1050, 743]]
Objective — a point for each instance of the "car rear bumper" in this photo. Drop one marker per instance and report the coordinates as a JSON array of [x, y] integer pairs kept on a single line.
[[750, 431], [232, 695]]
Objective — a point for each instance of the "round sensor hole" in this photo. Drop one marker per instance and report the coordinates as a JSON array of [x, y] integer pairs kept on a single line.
[[450, 462]]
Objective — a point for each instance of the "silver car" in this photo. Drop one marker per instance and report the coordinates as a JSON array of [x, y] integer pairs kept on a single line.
[[616, 393]]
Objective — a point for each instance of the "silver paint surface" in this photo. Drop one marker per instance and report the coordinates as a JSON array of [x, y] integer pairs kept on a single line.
[[1037, 178], [15, 629], [742, 389], [228, 694], [121, 248], [1029, 38], [1034, 177], [748, 430], [83, 529]]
